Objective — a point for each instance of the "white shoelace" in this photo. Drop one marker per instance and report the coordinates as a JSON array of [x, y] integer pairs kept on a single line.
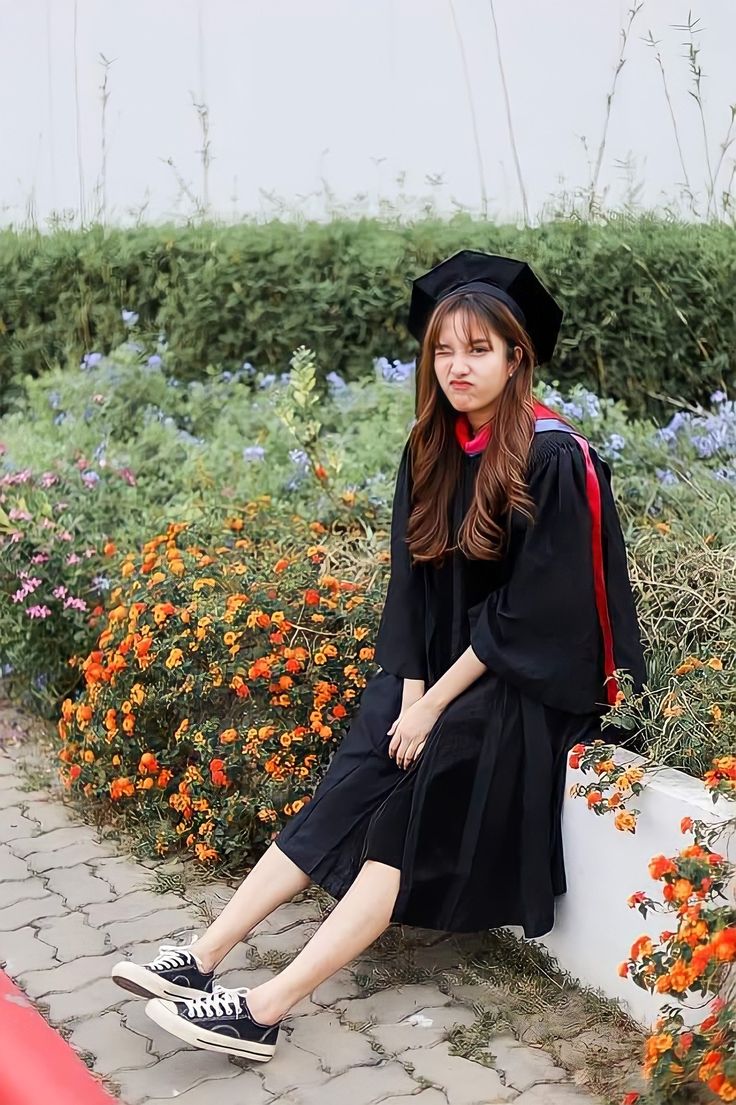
[[170, 956], [221, 1002]]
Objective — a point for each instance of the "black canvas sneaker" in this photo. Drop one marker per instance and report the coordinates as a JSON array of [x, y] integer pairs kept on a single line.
[[174, 973], [220, 1021]]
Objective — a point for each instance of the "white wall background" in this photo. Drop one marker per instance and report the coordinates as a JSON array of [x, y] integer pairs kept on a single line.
[[367, 96]]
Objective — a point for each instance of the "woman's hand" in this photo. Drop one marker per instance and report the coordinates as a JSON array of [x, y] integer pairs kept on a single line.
[[410, 731]]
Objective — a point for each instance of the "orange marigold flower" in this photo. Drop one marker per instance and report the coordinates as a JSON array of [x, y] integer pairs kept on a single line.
[[683, 888], [227, 736], [686, 824], [312, 597], [641, 947], [594, 798], [724, 944], [660, 865], [148, 764], [625, 821], [121, 788]]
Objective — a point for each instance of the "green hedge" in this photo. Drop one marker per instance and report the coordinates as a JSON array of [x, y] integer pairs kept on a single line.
[[650, 306]]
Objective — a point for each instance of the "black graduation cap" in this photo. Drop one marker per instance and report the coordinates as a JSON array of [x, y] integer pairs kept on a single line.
[[511, 281]]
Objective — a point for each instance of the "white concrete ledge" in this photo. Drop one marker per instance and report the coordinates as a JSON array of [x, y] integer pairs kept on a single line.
[[594, 927]]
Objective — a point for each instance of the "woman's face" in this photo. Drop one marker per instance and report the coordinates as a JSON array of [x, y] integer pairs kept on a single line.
[[472, 367]]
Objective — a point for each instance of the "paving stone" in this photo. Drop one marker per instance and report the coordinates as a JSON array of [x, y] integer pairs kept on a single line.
[[291, 1069], [15, 826], [67, 977], [23, 913], [245, 1089], [56, 839], [426, 1097], [22, 890], [85, 1001], [170, 1077], [113, 1046], [358, 1086], [12, 795], [122, 875], [340, 985], [7, 765], [404, 1036], [133, 1014], [11, 867], [523, 1066], [72, 937], [176, 924], [470, 993], [138, 904], [391, 1005], [78, 886], [290, 940], [50, 815], [437, 957], [463, 1081], [335, 1045], [70, 856], [558, 1095], [23, 951]]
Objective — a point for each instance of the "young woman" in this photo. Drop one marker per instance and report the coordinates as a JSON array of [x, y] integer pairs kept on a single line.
[[508, 612]]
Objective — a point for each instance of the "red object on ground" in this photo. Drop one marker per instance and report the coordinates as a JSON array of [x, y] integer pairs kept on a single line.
[[37, 1066]]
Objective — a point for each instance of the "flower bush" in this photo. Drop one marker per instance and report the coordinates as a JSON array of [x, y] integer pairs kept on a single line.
[[222, 679], [695, 956]]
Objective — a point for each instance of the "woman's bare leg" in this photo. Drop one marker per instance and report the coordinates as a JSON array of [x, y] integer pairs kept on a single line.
[[275, 879], [356, 921]]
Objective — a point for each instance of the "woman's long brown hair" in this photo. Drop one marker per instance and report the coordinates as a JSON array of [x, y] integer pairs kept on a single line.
[[435, 454]]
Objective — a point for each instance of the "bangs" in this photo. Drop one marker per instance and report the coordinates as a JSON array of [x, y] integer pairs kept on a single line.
[[469, 324]]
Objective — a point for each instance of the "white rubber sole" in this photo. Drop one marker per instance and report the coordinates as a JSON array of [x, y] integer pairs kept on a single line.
[[160, 1012], [136, 979]]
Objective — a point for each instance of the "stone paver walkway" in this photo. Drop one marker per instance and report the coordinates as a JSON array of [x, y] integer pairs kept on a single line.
[[70, 907]]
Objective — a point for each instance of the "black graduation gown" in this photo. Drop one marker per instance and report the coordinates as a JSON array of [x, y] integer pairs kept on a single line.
[[474, 823]]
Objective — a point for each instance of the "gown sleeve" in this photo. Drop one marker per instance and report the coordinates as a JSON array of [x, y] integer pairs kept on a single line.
[[400, 642], [540, 630]]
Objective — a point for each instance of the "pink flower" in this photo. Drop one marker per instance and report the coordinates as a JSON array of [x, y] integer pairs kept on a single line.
[[38, 611], [73, 558]]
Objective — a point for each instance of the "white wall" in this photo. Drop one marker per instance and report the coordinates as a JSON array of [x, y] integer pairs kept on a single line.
[[351, 92]]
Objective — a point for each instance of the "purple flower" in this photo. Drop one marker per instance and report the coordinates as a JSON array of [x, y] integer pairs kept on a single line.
[[299, 457], [90, 359], [718, 397], [89, 479], [154, 361], [129, 317], [253, 452], [666, 476], [394, 371], [335, 381]]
